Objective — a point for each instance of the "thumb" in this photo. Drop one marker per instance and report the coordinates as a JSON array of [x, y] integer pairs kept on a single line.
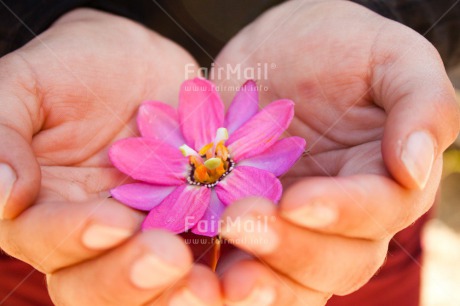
[[411, 84], [19, 121]]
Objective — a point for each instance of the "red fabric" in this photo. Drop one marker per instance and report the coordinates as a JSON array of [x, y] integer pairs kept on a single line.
[[396, 284], [21, 285]]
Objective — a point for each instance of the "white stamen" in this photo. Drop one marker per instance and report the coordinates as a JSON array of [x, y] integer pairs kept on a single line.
[[221, 135], [187, 151]]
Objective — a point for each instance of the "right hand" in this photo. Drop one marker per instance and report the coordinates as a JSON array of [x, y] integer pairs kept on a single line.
[[66, 96], [377, 110]]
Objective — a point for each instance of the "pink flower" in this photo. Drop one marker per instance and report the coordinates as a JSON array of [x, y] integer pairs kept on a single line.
[[192, 163]]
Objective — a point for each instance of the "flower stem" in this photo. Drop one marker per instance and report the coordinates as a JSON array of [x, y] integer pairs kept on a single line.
[[217, 242]]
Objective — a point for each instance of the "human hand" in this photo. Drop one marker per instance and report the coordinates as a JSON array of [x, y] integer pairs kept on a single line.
[[377, 110], [66, 96]]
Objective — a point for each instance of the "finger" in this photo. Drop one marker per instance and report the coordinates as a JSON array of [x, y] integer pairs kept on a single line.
[[410, 83], [363, 206], [200, 287], [19, 119], [250, 283], [72, 232], [133, 274], [325, 263]]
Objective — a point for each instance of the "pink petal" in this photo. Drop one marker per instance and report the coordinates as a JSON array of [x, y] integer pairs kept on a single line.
[[261, 131], [201, 112], [141, 196], [280, 157], [209, 223], [245, 104], [149, 160], [160, 121], [181, 210], [245, 182]]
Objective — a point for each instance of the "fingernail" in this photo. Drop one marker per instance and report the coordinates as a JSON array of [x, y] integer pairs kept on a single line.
[[149, 272], [7, 179], [185, 297], [418, 156], [100, 237], [260, 296], [253, 231], [313, 215]]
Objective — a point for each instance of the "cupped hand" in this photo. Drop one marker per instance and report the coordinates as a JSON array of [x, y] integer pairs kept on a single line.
[[377, 110], [66, 96]]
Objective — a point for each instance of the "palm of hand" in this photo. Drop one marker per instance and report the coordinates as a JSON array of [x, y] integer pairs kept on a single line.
[[81, 102], [331, 75], [351, 74], [89, 98]]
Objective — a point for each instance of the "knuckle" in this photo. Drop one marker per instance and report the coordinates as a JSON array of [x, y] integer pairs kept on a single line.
[[451, 115], [15, 247], [55, 291], [406, 217], [64, 289], [381, 233], [9, 243], [373, 259]]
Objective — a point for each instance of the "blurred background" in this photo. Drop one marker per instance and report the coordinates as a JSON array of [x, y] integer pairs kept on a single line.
[[441, 239]]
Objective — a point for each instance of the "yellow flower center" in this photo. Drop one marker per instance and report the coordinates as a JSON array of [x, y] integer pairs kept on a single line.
[[212, 163]]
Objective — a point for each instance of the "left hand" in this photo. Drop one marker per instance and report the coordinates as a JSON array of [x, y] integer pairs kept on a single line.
[[66, 97], [377, 110]]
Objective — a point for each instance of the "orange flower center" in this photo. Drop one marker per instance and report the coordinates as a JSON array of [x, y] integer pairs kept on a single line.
[[212, 163]]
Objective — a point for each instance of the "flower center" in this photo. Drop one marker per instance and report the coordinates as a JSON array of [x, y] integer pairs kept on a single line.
[[212, 163]]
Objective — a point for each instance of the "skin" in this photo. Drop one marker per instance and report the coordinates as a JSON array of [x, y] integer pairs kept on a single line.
[[56, 109], [362, 85], [66, 96]]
